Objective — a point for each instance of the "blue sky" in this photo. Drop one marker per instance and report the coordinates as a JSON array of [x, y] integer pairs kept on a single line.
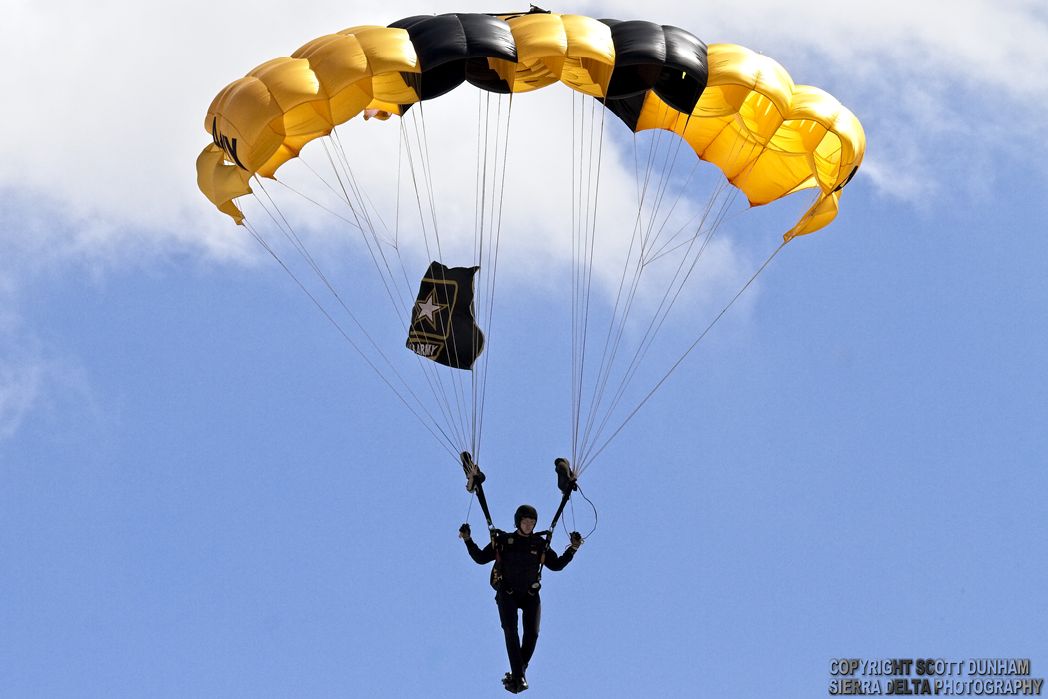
[[204, 492]]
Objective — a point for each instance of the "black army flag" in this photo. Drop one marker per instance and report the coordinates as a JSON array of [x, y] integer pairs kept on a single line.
[[442, 325]]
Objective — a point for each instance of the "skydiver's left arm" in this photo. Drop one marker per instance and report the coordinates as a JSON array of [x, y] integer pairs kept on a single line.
[[555, 562]]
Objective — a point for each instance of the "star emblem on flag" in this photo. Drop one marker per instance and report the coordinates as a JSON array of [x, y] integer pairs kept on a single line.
[[428, 308]]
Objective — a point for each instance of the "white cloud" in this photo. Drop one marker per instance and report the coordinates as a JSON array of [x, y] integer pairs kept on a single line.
[[36, 377], [944, 89], [28, 376], [113, 93], [19, 393], [21, 371]]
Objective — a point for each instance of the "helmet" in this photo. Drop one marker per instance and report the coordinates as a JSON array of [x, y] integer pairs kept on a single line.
[[524, 511]]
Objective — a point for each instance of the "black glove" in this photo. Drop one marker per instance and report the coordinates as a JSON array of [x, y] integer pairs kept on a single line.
[[576, 540], [464, 532], [565, 479], [474, 476]]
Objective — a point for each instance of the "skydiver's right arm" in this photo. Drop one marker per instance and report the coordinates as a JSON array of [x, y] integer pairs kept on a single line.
[[481, 556]]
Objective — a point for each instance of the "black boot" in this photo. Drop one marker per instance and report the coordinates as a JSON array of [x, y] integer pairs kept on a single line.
[[514, 685]]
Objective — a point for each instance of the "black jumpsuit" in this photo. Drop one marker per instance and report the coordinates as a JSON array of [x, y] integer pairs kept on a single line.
[[519, 557]]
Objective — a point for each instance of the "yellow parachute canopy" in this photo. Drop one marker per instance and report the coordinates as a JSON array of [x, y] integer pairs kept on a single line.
[[769, 136]]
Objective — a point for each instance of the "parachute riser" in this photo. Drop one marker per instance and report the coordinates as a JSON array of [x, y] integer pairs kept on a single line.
[[556, 518], [567, 482], [479, 490], [476, 486]]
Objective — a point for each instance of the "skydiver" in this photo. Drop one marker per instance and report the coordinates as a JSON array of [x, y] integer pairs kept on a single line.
[[519, 557]]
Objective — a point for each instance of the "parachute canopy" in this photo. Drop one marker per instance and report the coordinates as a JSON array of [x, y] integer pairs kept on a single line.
[[736, 108]]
